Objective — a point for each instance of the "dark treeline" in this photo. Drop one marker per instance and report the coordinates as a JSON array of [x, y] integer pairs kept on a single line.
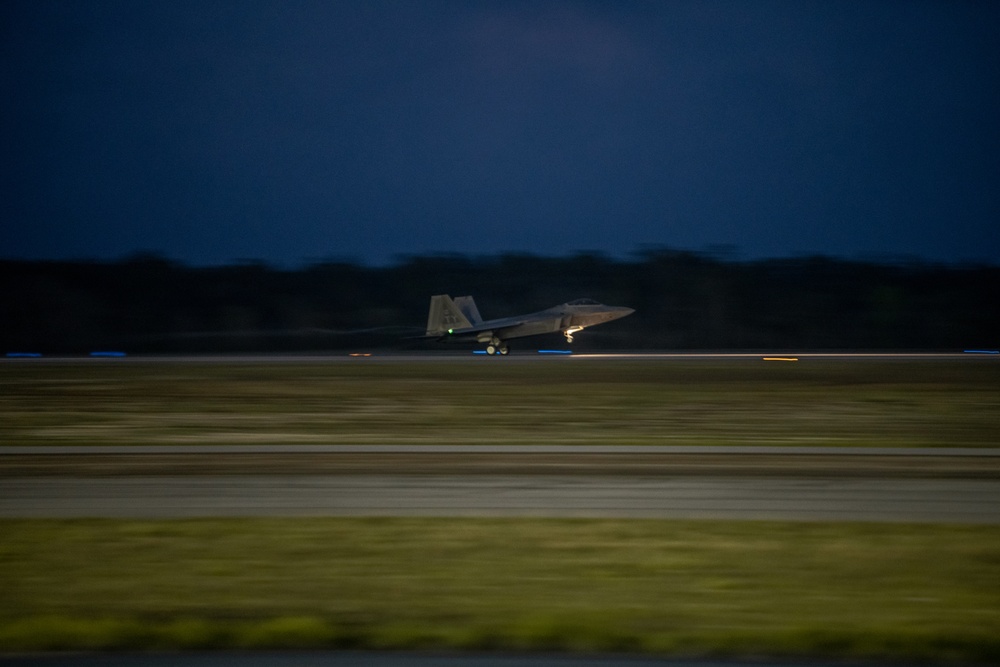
[[683, 301]]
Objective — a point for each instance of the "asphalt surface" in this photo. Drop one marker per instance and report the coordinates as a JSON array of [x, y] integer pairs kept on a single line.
[[741, 483], [570, 450], [802, 462], [605, 496], [458, 354], [373, 659]]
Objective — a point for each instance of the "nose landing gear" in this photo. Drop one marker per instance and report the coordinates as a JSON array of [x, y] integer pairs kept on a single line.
[[569, 333]]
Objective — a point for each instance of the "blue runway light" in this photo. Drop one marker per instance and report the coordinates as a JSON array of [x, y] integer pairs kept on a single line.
[[23, 355], [982, 351], [479, 352], [555, 352], [107, 354]]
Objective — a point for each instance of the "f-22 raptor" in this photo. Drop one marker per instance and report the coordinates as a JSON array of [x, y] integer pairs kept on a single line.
[[459, 319]]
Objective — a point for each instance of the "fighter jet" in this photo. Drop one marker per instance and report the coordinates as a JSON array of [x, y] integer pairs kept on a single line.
[[459, 319]]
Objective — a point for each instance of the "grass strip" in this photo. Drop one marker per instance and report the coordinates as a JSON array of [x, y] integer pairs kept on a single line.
[[829, 402], [739, 589]]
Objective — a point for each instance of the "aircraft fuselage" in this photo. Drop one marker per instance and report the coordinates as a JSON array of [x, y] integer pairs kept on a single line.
[[462, 318]]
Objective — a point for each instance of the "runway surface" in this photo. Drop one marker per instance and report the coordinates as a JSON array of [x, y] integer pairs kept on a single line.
[[517, 355], [468, 450], [793, 483], [478, 460], [379, 659], [600, 496]]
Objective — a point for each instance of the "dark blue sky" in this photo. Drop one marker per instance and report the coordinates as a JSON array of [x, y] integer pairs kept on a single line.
[[295, 131]]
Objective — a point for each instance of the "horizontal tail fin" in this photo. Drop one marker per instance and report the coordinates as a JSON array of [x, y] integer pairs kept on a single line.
[[445, 315]]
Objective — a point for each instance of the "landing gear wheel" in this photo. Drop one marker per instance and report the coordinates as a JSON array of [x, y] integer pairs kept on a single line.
[[569, 338], [491, 349], [504, 350]]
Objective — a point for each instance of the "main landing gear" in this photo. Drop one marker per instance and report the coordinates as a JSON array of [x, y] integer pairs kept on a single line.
[[497, 346]]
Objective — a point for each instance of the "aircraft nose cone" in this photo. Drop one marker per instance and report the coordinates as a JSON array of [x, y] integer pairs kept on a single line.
[[618, 312]]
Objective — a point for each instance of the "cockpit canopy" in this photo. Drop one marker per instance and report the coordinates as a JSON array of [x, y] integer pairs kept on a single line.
[[583, 302]]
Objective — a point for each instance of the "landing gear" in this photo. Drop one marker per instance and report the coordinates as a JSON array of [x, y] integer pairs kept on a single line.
[[569, 333], [497, 346]]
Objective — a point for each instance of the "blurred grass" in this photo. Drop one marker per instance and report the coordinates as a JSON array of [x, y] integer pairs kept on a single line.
[[509, 401], [853, 591]]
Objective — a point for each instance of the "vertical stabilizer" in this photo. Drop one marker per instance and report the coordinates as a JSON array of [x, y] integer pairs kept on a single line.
[[445, 315], [467, 305]]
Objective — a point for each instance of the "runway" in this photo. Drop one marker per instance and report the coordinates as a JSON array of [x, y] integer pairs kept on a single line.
[[591, 496], [471, 450], [742, 483], [478, 460], [382, 659], [518, 354]]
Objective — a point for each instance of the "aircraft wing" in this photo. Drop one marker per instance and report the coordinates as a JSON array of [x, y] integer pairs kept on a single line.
[[492, 325], [513, 327]]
